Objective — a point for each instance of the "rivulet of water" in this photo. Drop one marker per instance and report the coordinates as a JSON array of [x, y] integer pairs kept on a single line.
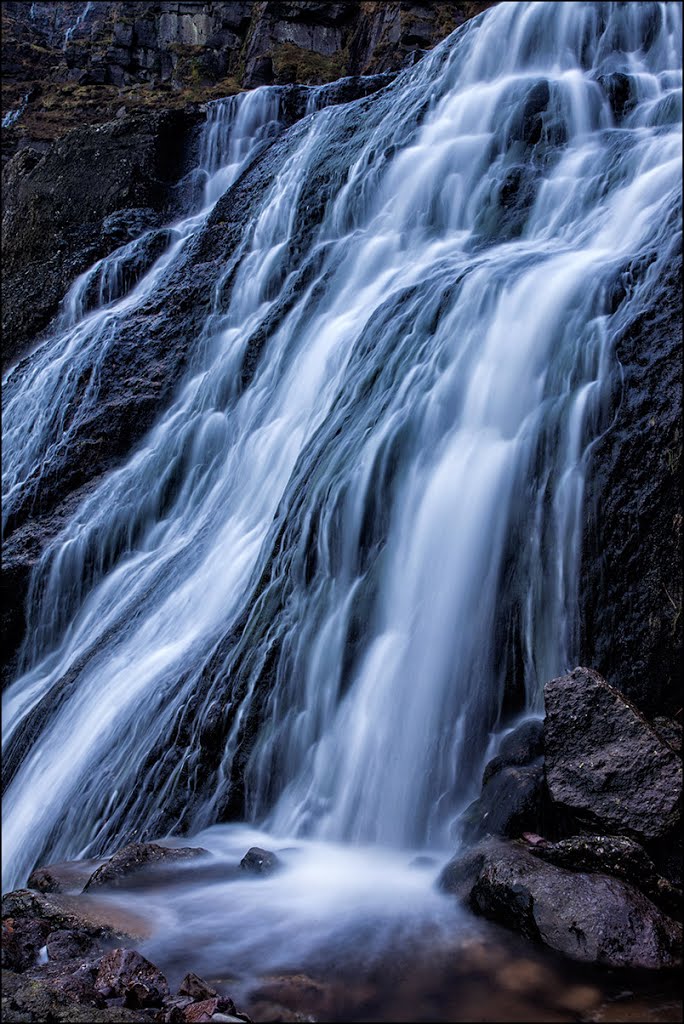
[[309, 591]]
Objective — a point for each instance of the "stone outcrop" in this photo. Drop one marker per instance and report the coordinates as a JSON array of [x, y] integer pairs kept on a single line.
[[595, 885], [58, 964], [73, 203], [604, 763], [631, 578], [72, 63], [593, 918]]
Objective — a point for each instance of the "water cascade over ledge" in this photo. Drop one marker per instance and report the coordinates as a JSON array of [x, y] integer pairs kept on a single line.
[[348, 550]]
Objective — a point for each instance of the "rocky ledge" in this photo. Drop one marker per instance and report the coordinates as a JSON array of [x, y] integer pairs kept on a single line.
[[576, 831], [68, 957]]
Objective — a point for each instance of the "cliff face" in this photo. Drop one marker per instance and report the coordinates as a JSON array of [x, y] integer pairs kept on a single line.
[[148, 67], [66, 64]]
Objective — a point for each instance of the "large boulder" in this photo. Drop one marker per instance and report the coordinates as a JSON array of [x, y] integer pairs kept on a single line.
[[136, 857], [613, 855], [605, 765], [588, 917]]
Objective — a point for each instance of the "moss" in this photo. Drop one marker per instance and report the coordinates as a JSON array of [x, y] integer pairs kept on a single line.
[[306, 66]]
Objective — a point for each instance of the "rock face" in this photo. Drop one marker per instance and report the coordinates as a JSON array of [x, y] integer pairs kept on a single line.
[[243, 43], [604, 762], [588, 917], [631, 578], [59, 208]]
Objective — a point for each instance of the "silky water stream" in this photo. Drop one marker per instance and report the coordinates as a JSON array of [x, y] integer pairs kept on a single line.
[[374, 537]]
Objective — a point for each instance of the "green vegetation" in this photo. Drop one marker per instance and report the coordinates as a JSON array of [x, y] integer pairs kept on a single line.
[[293, 63]]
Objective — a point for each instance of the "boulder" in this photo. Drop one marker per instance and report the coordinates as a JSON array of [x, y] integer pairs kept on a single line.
[[134, 858], [521, 746], [260, 862], [605, 765], [512, 801], [125, 972], [612, 855], [588, 917]]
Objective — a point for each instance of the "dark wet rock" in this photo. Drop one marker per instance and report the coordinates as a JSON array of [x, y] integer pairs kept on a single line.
[[196, 988], [22, 939], [631, 574], [512, 801], [55, 912], [135, 857], [28, 1001], [68, 943], [669, 730], [588, 917], [621, 92], [57, 208], [613, 855], [124, 972], [123, 226], [605, 765], [521, 746], [67, 876], [80, 988], [260, 862]]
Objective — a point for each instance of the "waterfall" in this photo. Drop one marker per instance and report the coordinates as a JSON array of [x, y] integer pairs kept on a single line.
[[80, 19], [310, 592]]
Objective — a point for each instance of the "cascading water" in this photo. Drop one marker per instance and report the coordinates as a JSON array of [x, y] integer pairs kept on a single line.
[[310, 590]]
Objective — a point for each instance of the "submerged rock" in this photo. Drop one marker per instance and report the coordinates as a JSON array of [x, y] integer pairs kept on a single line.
[[588, 917], [66, 876], [134, 858], [604, 763], [260, 862]]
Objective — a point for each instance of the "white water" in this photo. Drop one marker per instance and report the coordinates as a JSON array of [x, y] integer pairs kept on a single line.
[[372, 537]]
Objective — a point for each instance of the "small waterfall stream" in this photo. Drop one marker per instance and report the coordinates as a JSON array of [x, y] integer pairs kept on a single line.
[[310, 591]]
